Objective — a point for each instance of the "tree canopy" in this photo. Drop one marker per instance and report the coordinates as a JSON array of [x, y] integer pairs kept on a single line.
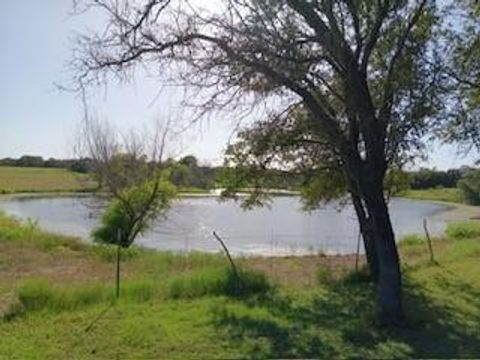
[[461, 33]]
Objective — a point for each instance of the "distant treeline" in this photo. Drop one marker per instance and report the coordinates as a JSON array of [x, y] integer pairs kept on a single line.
[[428, 178], [188, 173], [83, 165]]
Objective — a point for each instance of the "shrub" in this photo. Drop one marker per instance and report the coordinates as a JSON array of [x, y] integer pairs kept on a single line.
[[220, 281], [463, 230]]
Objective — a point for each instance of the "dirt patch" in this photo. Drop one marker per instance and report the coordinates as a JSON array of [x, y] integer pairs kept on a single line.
[[59, 265], [300, 271]]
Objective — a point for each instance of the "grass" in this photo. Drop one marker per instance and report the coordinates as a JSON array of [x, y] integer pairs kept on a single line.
[[452, 195], [464, 230], [221, 281], [412, 240], [56, 297], [30, 179], [41, 295]]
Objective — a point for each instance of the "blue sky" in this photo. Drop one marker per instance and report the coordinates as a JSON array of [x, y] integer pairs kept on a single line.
[[38, 119]]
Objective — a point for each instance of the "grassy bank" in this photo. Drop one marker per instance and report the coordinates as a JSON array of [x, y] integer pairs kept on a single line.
[[30, 179], [56, 294], [452, 195]]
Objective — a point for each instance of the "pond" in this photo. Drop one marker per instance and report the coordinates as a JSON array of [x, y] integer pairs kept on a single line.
[[282, 229]]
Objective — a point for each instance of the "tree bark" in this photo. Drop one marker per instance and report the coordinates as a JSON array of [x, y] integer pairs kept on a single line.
[[368, 238], [389, 284]]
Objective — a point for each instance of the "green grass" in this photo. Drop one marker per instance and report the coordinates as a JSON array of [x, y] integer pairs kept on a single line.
[[412, 240], [220, 281], [41, 295], [30, 179], [452, 195], [29, 234], [464, 230], [185, 307]]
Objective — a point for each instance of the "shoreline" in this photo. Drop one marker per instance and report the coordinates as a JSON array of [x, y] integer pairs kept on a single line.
[[455, 211]]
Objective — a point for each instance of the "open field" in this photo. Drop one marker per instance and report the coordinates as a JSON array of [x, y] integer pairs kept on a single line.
[[56, 296], [452, 195], [15, 179], [29, 179]]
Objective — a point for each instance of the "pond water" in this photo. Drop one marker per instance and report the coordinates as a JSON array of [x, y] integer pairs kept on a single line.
[[282, 229]]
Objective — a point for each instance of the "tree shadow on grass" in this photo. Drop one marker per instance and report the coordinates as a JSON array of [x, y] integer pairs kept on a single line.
[[339, 323]]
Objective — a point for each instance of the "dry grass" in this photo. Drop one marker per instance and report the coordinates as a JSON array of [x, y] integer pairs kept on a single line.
[[62, 265], [301, 272]]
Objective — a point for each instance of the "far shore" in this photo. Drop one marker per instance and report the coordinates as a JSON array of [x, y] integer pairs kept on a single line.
[[205, 193], [455, 212]]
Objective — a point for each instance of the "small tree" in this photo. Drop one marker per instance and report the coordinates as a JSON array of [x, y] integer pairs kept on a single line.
[[142, 204], [131, 173]]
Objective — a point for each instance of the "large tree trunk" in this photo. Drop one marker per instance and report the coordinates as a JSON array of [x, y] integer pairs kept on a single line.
[[368, 237], [389, 284]]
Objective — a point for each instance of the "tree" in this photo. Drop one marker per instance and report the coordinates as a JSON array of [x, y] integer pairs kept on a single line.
[[189, 160], [130, 170], [30, 161], [182, 175], [351, 84], [470, 187], [462, 70], [427, 178]]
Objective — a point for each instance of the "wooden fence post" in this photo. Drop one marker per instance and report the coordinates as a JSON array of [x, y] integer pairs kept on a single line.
[[117, 293], [429, 241], [357, 256]]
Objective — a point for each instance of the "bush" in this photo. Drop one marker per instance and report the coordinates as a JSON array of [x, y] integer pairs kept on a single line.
[[463, 230], [220, 281]]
